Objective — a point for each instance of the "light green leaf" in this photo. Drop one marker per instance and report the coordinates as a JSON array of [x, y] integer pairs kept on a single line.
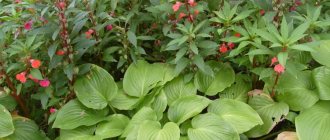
[[160, 104], [83, 132], [186, 107], [8, 101], [74, 114], [270, 112], [242, 15], [314, 123], [240, 115], [302, 47], [112, 127], [224, 77], [211, 127], [267, 36], [284, 29], [298, 33], [282, 58], [300, 88], [238, 91], [95, 89], [322, 52], [177, 88], [132, 38], [6, 122], [36, 74], [151, 130], [122, 101], [321, 77]]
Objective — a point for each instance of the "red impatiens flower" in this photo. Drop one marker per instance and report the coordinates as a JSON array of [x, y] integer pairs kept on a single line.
[[181, 15], [28, 25], [21, 77], [192, 2], [89, 33], [62, 5], [44, 83], [237, 34], [231, 45], [176, 6], [262, 12], [52, 110], [60, 52], [109, 27], [292, 8], [35, 63], [279, 68], [298, 2], [274, 60], [223, 48]]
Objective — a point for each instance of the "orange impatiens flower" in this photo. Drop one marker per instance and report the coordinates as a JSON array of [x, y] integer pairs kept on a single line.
[[21, 77], [35, 63]]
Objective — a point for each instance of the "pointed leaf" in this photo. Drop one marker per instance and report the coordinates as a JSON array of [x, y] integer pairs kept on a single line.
[[151, 130], [6, 122]]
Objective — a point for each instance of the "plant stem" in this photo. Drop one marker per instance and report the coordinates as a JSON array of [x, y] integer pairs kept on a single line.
[[273, 88]]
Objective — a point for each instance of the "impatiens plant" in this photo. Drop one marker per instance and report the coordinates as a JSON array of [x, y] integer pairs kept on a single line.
[[164, 69]]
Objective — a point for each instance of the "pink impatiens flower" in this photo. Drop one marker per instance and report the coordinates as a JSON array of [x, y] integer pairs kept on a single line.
[[274, 60], [28, 25], [21, 77], [52, 110], [231, 45], [44, 83], [109, 27], [176, 6], [192, 2], [279, 68], [262, 12]]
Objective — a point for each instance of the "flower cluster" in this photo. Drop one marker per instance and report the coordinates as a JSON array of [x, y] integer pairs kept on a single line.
[[33, 63]]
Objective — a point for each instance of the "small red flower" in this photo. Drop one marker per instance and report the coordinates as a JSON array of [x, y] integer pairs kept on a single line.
[[21, 77], [196, 12], [44, 83], [192, 3], [231, 45], [223, 48], [35, 63], [88, 35], [298, 2], [60, 52], [181, 15], [52, 110], [262, 12], [91, 31], [176, 6], [62, 5], [274, 60], [33, 79], [18, 1], [28, 25], [292, 8], [109, 27], [279, 68], [237, 34]]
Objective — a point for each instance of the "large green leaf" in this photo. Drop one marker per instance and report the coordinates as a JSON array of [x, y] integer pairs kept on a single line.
[[122, 101], [211, 127], [178, 88], [74, 114], [186, 107], [112, 127], [144, 114], [151, 130], [270, 112], [141, 77], [25, 129], [83, 132], [300, 88], [239, 89], [321, 78], [160, 104], [322, 52], [6, 122], [314, 123], [240, 115], [224, 77], [7, 101], [95, 89]]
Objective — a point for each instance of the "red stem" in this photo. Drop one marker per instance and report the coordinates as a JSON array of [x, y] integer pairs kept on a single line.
[[273, 88]]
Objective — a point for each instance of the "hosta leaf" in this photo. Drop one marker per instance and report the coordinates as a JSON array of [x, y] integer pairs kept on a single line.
[[178, 88], [160, 104], [144, 114], [314, 123], [95, 89], [240, 115], [224, 77], [141, 77], [7, 101], [321, 53], [112, 127], [211, 127], [186, 107], [270, 112], [122, 101], [300, 88], [25, 129], [74, 114], [6, 122], [238, 90], [151, 130], [321, 78], [83, 132]]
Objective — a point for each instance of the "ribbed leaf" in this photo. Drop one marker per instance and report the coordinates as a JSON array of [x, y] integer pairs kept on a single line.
[[83, 132], [6, 122], [74, 114], [321, 78], [240, 115], [322, 52], [151, 130], [224, 77], [178, 88], [186, 107], [211, 127], [112, 127], [122, 101], [238, 90], [270, 112], [314, 123], [7, 101], [95, 89]]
